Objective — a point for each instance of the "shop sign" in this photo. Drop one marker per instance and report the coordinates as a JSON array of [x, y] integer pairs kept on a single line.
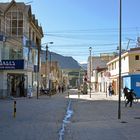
[[11, 64]]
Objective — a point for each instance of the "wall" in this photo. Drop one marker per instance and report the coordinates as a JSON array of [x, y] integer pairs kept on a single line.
[[132, 82]]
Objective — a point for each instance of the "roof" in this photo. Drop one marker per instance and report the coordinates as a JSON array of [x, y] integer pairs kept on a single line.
[[131, 51], [98, 63], [5, 6]]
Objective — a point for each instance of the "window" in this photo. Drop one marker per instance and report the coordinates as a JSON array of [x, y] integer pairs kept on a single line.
[[15, 22], [137, 57]]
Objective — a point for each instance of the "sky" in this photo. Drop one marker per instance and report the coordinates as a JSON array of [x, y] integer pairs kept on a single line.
[[75, 25]]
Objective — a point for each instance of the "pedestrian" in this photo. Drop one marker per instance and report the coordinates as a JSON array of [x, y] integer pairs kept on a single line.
[[110, 89], [59, 88], [30, 92], [130, 96], [56, 88], [85, 88], [62, 88], [125, 91]]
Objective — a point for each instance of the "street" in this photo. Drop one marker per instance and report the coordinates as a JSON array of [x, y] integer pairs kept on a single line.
[[94, 118]]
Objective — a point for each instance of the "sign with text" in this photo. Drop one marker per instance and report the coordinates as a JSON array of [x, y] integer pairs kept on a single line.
[[11, 64]]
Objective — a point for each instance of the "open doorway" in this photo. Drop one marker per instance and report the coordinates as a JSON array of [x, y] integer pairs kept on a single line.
[[17, 84]]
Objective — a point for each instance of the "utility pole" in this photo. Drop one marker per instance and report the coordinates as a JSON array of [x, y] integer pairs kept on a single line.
[[90, 49], [120, 50], [38, 69], [46, 67]]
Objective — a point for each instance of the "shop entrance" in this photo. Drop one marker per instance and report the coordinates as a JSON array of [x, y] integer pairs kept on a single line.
[[17, 85]]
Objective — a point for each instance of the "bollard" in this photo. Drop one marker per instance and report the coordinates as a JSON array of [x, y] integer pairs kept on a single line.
[[78, 93], [14, 109], [68, 94]]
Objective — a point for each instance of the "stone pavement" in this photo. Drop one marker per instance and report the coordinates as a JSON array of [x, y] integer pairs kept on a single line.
[[36, 119], [96, 118]]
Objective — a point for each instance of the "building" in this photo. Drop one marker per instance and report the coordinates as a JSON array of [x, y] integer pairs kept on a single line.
[[20, 41], [98, 71], [50, 73], [130, 70]]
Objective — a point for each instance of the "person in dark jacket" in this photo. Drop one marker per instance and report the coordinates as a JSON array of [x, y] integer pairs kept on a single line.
[[125, 91], [110, 89], [59, 88], [130, 96]]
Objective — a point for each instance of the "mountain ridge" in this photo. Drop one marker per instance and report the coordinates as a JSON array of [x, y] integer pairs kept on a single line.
[[65, 62]]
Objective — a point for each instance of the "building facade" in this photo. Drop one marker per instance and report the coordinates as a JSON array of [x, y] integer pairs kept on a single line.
[[130, 67], [20, 41], [99, 76]]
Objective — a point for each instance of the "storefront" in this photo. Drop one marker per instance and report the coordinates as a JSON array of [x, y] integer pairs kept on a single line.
[[16, 76]]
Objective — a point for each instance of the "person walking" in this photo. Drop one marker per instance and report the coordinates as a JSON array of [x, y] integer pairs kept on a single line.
[[129, 96], [125, 91]]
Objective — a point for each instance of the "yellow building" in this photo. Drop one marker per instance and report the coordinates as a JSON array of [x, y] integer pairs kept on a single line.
[[130, 65]]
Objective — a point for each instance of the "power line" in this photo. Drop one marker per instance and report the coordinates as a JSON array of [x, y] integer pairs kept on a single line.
[[93, 30]]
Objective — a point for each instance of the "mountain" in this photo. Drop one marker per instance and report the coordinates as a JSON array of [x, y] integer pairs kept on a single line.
[[65, 62], [84, 66]]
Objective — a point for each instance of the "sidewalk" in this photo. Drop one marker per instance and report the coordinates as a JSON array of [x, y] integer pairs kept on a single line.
[[96, 118]]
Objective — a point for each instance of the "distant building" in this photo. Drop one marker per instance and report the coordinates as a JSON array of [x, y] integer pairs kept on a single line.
[[20, 41], [98, 66]]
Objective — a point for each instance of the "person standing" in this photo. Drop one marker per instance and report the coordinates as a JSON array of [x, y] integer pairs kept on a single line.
[[59, 88], [110, 89], [30, 92], [62, 88]]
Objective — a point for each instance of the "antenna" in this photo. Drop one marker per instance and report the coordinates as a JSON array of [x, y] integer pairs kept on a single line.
[[29, 2], [129, 39]]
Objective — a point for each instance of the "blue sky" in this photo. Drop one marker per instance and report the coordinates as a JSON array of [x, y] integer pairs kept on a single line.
[[76, 25]]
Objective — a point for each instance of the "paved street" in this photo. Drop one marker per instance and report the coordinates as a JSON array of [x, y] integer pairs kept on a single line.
[[93, 118], [35, 119], [96, 119]]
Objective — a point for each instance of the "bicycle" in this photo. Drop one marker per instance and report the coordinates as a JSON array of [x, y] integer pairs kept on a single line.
[[135, 99]]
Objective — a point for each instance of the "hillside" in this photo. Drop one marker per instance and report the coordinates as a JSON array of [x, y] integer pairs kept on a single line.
[[65, 62]]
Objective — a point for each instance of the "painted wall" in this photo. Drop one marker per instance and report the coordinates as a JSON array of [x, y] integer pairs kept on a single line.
[[132, 82]]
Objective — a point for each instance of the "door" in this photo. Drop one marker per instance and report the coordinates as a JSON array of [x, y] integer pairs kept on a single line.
[[17, 85]]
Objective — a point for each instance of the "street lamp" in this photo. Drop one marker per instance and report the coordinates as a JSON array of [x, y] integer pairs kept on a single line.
[[46, 73], [38, 69], [90, 49], [120, 48], [50, 72]]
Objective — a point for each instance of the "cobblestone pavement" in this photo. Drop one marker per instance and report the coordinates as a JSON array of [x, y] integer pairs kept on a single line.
[[94, 118]]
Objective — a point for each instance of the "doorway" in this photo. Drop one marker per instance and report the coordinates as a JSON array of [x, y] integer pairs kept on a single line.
[[17, 85]]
